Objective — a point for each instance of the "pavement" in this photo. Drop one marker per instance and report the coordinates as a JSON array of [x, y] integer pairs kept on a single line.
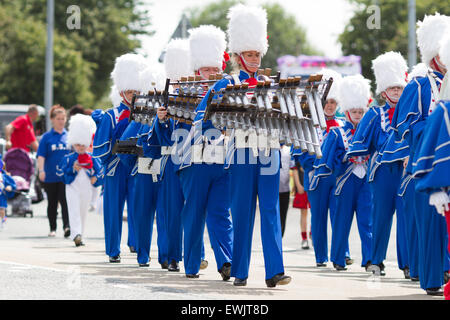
[[36, 267]]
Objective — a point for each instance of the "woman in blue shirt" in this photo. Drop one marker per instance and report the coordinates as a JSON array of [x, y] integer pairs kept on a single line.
[[52, 148]]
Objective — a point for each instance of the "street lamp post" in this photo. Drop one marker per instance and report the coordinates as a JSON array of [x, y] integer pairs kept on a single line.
[[48, 85], [412, 51]]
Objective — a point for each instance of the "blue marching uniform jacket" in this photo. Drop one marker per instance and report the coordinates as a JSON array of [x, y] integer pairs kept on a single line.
[[417, 102], [352, 193], [321, 197], [205, 189], [370, 138], [7, 180], [68, 174], [118, 186], [247, 182]]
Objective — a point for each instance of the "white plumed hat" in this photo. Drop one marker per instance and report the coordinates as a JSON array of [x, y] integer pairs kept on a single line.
[[390, 70], [430, 32], [207, 45], [247, 29], [114, 96], [337, 77], [81, 130], [125, 74], [419, 70], [176, 59], [444, 55], [354, 93]]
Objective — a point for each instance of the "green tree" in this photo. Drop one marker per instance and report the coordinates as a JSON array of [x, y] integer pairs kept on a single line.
[[286, 36], [359, 39], [83, 57]]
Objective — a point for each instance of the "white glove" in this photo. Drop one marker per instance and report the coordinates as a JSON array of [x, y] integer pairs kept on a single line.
[[440, 200]]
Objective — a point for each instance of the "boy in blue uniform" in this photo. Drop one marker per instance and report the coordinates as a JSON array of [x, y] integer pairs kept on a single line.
[[7, 187], [321, 193], [118, 186], [79, 171], [390, 71], [414, 107], [352, 191]]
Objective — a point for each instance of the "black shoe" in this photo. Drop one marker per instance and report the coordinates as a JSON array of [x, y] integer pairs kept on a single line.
[[132, 249], [78, 241], [115, 259], [382, 272], [321, 265], [446, 277], [165, 265], [435, 291], [66, 232], [377, 269], [367, 266], [406, 273], [348, 261], [144, 264], [225, 271], [278, 279], [240, 282], [339, 267], [174, 266], [192, 276], [415, 279]]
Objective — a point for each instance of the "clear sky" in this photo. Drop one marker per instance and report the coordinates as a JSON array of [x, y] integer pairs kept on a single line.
[[323, 20]]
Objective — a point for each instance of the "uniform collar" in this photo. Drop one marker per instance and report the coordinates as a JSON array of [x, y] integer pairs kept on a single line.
[[243, 75], [440, 75]]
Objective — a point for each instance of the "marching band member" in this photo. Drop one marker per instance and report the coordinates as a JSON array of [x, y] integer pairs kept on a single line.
[[145, 173], [247, 32], [118, 186], [390, 71], [321, 191], [417, 102], [79, 172], [431, 167], [352, 191]]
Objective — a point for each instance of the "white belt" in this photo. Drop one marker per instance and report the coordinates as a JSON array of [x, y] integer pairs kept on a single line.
[[166, 150], [209, 154], [150, 166]]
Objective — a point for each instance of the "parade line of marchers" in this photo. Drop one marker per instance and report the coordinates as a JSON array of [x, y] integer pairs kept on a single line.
[[373, 161]]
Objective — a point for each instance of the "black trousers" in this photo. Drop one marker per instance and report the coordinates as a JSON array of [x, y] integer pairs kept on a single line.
[[284, 206], [56, 192]]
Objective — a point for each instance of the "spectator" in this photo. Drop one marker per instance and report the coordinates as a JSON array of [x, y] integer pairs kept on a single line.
[[52, 148], [20, 132], [301, 202], [284, 191], [7, 186], [78, 108]]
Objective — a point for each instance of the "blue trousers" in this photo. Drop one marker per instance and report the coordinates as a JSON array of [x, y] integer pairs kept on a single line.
[[355, 196], [385, 202], [206, 193], [411, 230], [248, 183], [322, 200], [433, 253], [172, 198], [117, 190], [146, 204]]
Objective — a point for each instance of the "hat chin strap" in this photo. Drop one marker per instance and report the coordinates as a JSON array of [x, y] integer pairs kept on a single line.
[[438, 66], [124, 97], [391, 100], [245, 64]]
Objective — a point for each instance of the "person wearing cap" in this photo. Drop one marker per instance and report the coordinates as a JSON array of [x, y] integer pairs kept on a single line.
[[352, 190], [417, 103], [431, 165], [321, 194], [145, 175], [390, 71], [204, 181], [118, 186], [79, 171], [247, 33]]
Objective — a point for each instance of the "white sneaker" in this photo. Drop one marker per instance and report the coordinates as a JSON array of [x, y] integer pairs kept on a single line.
[[52, 234], [305, 244]]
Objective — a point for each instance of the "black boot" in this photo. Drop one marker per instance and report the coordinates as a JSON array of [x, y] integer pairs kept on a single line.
[[240, 282], [435, 291], [339, 267], [115, 259], [278, 279], [174, 267], [225, 271]]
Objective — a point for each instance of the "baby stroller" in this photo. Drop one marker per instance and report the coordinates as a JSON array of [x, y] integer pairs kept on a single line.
[[20, 166]]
